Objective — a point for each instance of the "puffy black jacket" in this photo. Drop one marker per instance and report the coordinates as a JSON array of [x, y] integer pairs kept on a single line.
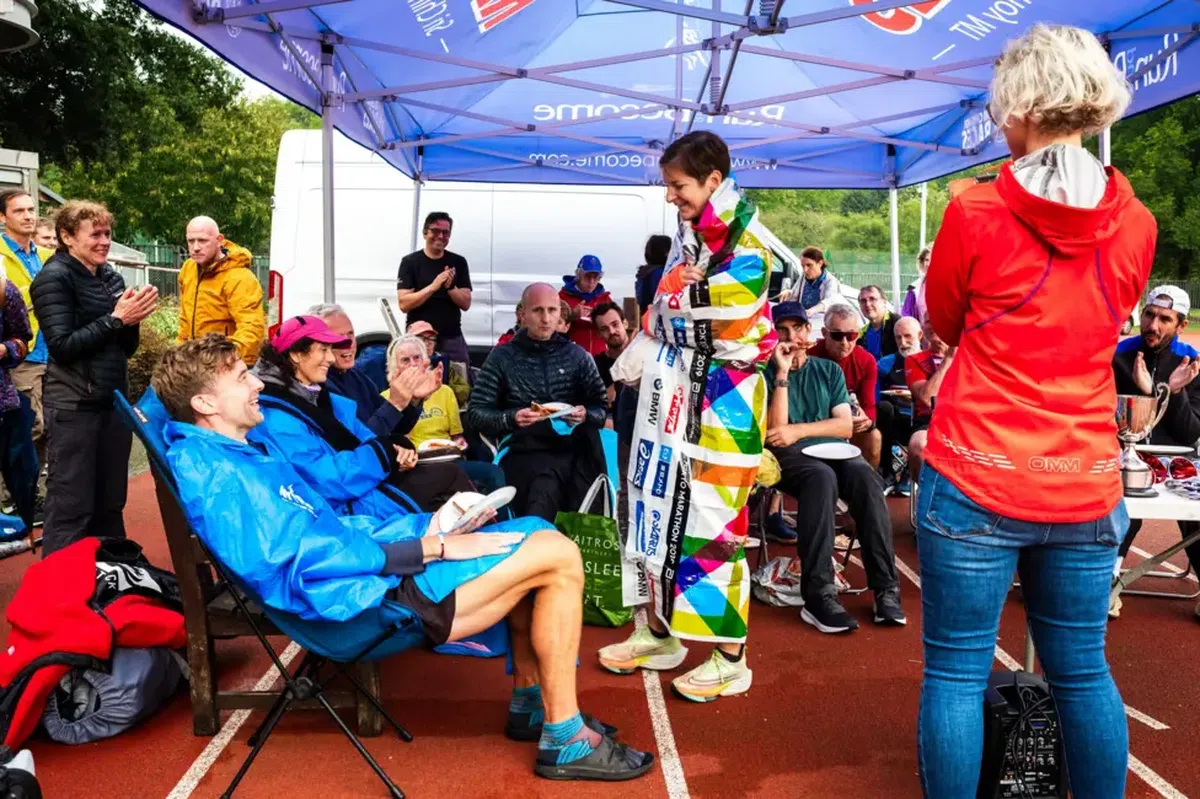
[[525, 371], [89, 348]]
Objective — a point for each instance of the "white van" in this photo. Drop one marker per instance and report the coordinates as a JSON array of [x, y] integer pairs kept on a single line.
[[511, 234]]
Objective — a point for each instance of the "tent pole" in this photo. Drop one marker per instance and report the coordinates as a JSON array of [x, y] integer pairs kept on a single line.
[[924, 211], [418, 181], [327, 167], [892, 207]]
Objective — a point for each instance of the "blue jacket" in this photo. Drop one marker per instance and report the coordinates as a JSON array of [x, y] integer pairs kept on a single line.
[[352, 481], [265, 524]]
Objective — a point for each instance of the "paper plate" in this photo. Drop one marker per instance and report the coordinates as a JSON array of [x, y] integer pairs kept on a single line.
[[439, 456], [833, 451], [493, 501], [436, 443], [897, 392], [1165, 449]]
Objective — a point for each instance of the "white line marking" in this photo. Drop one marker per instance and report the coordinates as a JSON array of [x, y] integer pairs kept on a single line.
[[203, 763], [1151, 778], [1171, 567], [939, 55], [1136, 766], [668, 755]]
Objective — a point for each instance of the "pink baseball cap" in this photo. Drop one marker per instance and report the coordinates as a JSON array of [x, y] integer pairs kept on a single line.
[[313, 327], [420, 329]]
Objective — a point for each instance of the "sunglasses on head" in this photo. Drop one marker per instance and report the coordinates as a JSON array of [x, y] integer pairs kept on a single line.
[[843, 335]]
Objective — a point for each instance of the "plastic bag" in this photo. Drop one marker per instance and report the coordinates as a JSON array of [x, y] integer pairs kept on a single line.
[[598, 542]]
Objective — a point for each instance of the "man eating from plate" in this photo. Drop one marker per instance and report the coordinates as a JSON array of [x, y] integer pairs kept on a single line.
[[810, 405], [540, 374]]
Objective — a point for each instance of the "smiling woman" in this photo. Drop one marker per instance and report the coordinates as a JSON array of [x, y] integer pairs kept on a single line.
[[90, 323]]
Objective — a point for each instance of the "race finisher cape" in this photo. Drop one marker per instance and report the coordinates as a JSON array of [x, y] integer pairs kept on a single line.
[[700, 423]]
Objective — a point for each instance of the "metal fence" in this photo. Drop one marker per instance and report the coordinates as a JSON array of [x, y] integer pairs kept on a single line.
[[165, 261]]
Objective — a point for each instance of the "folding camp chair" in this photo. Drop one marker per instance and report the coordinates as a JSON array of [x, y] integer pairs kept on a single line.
[[367, 638]]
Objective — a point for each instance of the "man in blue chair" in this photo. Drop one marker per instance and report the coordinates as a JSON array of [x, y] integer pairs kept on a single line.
[[262, 521]]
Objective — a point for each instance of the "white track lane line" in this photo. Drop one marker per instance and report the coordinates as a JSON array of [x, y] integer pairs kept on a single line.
[[1147, 774], [203, 763], [1011, 664], [664, 736]]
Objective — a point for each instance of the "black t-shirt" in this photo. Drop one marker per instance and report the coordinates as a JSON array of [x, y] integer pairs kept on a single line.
[[604, 363], [418, 270]]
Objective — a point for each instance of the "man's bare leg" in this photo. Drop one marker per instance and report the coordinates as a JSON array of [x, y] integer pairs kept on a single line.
[[871, 444], [916, 451], [520, 641]]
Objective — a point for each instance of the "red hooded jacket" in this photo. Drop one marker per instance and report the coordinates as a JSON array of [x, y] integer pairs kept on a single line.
[[70, 611], [1034, 293]]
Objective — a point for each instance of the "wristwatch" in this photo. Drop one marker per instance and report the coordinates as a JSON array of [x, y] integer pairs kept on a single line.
[[781, 384]]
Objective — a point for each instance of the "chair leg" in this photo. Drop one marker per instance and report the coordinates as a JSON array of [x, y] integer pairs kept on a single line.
[[372, 697], [261, 735], [846, 561], [202, 684], [370, 724], [362, 750], [306, 665]]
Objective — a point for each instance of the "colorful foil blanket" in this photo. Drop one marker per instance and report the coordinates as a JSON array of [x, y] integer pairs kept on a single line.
[[700, 424]]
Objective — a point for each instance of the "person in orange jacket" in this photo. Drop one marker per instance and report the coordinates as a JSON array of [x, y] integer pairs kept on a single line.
[[219, 292], [582, 292]]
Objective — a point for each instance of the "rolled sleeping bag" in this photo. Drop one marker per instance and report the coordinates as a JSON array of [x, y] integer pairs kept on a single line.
[[89, 705]]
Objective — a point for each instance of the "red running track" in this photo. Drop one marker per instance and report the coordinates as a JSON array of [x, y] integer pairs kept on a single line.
[[827, 716]]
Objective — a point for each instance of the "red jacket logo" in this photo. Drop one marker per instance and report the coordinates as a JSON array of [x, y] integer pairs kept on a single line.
[[490, 13], [903, 20], [673, 411]]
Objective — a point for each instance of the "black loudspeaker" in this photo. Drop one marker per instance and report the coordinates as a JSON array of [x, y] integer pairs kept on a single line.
[[1022, 740]]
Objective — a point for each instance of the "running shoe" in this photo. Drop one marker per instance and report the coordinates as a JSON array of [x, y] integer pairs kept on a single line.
[[887, 608], [643, 650], [714, 678], [826, 613]]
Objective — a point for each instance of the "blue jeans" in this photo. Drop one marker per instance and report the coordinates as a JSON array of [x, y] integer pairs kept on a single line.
[[968, 557]]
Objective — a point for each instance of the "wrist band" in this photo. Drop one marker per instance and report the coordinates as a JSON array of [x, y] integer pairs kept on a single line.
[[442, 541]]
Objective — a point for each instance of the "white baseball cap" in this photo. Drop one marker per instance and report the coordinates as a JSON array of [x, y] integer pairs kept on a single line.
[[1170, 297]]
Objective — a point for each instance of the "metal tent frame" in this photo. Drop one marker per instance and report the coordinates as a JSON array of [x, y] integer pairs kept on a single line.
[[821, 119]]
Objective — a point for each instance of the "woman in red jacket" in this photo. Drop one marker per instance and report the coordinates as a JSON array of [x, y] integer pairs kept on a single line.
[[1031, 278]]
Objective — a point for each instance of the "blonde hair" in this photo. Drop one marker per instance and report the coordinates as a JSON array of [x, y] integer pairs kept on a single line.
[[1061, 79], [394, 348]]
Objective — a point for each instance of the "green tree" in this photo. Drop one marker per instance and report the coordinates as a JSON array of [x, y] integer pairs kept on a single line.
[[223, 167], [1159, 152], [84, 91]]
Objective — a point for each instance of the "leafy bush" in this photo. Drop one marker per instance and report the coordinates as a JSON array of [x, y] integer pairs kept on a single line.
[[157, 335]]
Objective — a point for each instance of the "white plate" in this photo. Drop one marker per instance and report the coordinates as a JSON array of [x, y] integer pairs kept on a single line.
[[832, 451], [1164, 449], [450, 456], [897, 392], [493, 501]]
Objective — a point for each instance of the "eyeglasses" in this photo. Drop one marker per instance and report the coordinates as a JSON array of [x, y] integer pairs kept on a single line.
[[991, 114], [438, 232], [843, 335]]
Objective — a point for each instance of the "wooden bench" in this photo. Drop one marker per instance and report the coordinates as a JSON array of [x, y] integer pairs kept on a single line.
[[210, 613]]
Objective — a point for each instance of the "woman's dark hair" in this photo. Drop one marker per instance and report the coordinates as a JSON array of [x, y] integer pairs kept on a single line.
[[281, 359], [812, 254], [698, 154], [658, 249]]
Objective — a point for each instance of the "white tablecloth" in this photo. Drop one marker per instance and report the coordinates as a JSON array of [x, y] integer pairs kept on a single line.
[[1164, 506]]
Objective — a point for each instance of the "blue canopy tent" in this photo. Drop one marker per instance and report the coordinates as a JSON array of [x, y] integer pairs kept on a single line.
[[819, 94]]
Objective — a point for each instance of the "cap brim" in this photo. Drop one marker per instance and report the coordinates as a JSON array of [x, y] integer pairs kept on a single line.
[[331, 338]]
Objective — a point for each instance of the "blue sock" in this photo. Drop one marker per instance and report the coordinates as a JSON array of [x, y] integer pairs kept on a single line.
[[528, 701], [571, 740]]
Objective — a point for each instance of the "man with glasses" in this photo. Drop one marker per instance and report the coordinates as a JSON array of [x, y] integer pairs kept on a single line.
[[434, 286], [839, 344]]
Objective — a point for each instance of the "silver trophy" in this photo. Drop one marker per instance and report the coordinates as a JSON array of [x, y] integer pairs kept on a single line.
[[1136, 417]]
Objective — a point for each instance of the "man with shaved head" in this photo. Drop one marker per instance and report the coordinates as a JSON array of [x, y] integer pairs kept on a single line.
[[219, 292], [550, 461]]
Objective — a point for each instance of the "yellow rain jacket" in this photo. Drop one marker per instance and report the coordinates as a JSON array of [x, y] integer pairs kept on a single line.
[[16, 272], [227, 299]]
